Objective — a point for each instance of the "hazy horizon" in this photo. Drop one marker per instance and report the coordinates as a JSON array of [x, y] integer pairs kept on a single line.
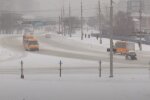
[[52, 7]]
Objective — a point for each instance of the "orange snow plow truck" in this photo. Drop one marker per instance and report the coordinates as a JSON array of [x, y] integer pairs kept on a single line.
[[122, 47], [30, 43]]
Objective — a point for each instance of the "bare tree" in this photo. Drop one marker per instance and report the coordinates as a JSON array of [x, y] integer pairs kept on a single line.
[[123, 24], [9, 22], [92, 22], [74, 22]]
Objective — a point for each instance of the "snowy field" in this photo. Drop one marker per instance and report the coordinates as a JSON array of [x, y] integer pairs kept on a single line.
[[74, 87], [80, 78]]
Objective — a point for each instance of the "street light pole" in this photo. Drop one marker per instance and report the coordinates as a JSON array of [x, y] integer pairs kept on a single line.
[[81, 20], [62, 21], [63, 17], [70, 26], [111, 40], [140, 24], [100, 23]]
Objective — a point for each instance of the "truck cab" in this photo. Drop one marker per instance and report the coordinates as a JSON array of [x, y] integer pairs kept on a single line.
[[31, 45], [122, 47]]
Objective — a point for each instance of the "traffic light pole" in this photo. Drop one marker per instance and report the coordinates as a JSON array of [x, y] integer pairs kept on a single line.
[[111, 40]]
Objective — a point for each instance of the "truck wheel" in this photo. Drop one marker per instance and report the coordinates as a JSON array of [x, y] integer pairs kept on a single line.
[[28, 49]]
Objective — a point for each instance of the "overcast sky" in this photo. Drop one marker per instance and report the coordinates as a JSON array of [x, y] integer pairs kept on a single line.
[[91, 5], [75, 4], [52, 7]]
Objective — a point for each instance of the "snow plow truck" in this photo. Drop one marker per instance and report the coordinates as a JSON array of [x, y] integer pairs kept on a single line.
[[30, 43], [122, 47]]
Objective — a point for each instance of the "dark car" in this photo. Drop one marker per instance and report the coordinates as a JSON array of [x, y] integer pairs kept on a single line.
[[131, 55]]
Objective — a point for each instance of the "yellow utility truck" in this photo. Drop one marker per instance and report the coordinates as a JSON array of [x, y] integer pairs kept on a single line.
[[123, 47], [30, 43]]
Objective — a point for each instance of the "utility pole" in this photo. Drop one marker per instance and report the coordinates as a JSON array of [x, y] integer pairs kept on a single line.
[[59, 23], [81, 20], [111, 40], [70, 24], [100, 23], [63, 16], [62, 28], [140, 25]]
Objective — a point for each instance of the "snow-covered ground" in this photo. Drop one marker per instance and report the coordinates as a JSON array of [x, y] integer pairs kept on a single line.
[[105, 42], [5, 54], [74, 87], [80, 78]]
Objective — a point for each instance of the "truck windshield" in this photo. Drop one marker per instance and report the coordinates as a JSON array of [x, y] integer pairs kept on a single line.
[[120, 45], [33, 43]]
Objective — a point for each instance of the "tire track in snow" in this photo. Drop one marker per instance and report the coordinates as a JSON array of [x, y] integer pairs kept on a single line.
[[63, 50]]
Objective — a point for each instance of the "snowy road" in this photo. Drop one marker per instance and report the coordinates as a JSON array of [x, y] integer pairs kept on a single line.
[[63, 47], [73, 49]]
